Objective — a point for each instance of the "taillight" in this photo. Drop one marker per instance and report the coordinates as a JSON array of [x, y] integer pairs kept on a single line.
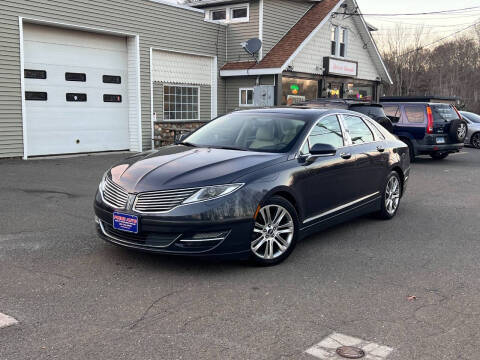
[[430, 120]]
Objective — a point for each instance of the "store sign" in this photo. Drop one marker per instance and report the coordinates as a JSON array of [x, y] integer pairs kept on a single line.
[[340, 67]]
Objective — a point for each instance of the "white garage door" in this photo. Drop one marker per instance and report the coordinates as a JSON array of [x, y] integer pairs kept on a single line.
[[75, 91]]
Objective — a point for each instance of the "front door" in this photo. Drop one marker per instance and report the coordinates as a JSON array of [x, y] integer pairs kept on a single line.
[[325, 184]]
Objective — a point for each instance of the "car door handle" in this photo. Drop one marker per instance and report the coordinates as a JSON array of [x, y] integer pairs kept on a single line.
[[380, 148], [346, 156]]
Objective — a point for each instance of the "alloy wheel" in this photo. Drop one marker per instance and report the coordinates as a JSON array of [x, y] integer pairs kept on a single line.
[[462, 131], [476, 140], [392, 196], [273, 232]]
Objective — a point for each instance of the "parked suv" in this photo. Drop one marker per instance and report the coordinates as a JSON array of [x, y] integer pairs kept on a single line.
[[433, 129], [372, 110]]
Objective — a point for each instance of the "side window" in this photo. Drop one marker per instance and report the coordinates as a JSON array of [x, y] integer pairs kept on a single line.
[[359, 131], [415, 114], [378, 133], [393, 113], [327, 131]]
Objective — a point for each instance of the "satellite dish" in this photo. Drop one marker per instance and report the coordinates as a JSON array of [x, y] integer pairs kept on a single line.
[[253, 46]]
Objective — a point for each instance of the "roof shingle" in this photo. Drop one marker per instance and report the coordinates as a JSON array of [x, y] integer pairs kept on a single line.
[[282, 51]]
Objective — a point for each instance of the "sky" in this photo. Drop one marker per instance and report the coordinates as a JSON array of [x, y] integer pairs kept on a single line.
[[435, 27]]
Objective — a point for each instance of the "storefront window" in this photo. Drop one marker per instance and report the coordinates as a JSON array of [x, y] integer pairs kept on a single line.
[[358, 92], [295, 90]]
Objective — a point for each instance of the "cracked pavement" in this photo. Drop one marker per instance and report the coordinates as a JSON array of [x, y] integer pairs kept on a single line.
[[76, 297]]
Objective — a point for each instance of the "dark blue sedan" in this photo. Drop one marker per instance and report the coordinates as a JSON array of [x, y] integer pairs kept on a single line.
[[252, 183]]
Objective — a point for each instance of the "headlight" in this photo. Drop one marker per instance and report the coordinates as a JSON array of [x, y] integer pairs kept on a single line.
[[212, 192], [101, 186]]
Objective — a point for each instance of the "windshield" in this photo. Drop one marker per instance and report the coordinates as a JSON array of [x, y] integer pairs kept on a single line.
[[373, 111], [444, 112], [263, 132], [472, 117]]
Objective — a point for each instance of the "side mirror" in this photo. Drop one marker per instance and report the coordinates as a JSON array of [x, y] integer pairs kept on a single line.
[[320, 150], [323, 149], [181, 137]]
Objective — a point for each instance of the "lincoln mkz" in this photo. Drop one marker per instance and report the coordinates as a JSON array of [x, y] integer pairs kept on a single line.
[[251, 184]]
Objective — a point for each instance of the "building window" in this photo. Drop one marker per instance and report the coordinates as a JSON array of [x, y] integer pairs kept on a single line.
[[334, 40], [239, 13], [339, 39], [343, 41], [219, 15], [181, 103], [246, 97], [229, 14]]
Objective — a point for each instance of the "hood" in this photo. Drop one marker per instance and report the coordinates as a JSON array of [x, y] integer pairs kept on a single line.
[[180, 166]]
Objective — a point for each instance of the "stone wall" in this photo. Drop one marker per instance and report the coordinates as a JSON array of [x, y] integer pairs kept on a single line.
[[166, 131]]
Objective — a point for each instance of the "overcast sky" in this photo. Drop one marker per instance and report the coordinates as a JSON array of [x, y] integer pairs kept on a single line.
[[434, 26]]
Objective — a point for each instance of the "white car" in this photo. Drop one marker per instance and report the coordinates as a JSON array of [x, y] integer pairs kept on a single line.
[[473, 135]]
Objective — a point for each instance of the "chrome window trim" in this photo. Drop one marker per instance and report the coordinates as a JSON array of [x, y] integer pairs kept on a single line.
[[368, 126], [306, 139], [341, 207], [371, 124]]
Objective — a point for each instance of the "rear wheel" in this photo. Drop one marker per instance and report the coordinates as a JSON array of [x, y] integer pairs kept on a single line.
[[275, 232], [391, 196], [439, 156], [476, 140]]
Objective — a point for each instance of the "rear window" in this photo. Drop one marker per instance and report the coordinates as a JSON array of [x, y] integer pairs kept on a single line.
[[444, 112], [371, 111]]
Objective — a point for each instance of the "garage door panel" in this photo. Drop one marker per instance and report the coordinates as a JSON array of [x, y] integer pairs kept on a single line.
[[75, 55], [59, 126]]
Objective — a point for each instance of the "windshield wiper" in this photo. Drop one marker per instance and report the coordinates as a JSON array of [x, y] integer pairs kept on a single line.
[[228, 148], [186, 143]]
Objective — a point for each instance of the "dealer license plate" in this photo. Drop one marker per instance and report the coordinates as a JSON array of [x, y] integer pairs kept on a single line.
[[125, 222], [440, 140]]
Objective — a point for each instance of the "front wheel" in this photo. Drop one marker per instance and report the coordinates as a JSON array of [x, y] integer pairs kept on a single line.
[[275, 232], [476, 140], [391, 196], [439, 156]]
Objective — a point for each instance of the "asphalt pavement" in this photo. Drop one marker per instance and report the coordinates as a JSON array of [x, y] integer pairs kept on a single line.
[[411, 284]]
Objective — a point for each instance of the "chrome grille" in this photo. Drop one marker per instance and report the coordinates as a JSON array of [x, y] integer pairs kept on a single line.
[[115, 195], [161, 201]]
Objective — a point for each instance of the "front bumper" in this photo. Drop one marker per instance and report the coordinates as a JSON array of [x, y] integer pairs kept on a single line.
[[226, 238]]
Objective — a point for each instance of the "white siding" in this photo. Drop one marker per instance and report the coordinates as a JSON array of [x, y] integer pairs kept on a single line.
[[134, 107], [310, 59], [173, 67]]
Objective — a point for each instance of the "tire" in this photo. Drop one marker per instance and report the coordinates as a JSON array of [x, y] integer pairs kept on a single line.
[[268, 247], [458, 131], [439, 156], [391, 196], [475, 140]]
